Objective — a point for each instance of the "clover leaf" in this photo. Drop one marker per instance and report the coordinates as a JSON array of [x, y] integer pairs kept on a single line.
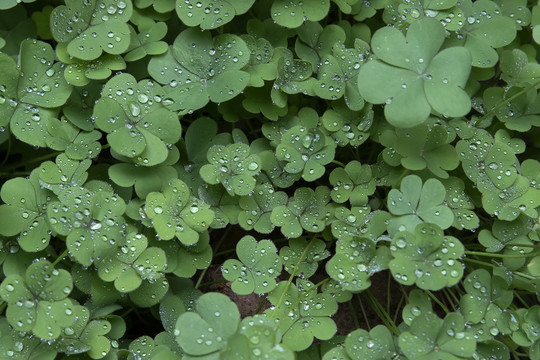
[[17, 345], [301, 258], [147, 41], [354, 183], [145, 182], [527, 335], [460, 203], [427, 258], [24, 212], [360, 222], [258, 339], [430, 337], [486, 161], [303, 313], [355, 261], [257, 269], [293, 13], [348, 127], [305, 151], [63, 173], [132, 263], [378, 343], [137, 123], [81, 72], [483, 17], [62, 135], [91, 220], [92, 27], [445, 11], [177, 213], [484, 306], [421, 147], [146, 347], [304, 211], [517, 69], [86, 336], [416, 203], [233, 166], [199, 68], [184, 261], [257, 208], [520, 114], [415, 78], [38, 302], [210, 14], [31, 90], [207, 330]]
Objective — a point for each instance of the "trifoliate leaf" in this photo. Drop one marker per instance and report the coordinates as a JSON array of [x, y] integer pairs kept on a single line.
[[302, 258], [483, 17], [354, 183], [257, 208], [177, 213], [302, 313], [210, 70], [147, 41], [207, 330], [210, 14], [137, 123], [416, 203], [24, 212], [416, 79], [92, 27], [304, 211], [427, 258], [30, 90], [232, 166], [421, 147], [257, 269], [293, 13], [91, 220]]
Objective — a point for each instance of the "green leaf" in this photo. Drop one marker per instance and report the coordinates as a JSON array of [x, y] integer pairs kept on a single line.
[[416, 202], [207, 330], [293, 13], [416, 79], [210, 70], [23, 213], [92, 27], [257, 269], [177, 213], [137, 123], [210, 14], [30, 99], [427, 258], [302, 313]]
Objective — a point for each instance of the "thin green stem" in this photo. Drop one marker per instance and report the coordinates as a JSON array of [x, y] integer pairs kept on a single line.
[[396, 314], [526, 276], [437, 301], [480, 253], [259, 308], [338, 163], [364, 314], [355, 318], [501, 104], [523, 302], [60, 257], [293, 274], [381, 312]]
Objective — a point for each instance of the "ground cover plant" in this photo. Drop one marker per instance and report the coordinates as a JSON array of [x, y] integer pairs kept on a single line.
[[272, 179]]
